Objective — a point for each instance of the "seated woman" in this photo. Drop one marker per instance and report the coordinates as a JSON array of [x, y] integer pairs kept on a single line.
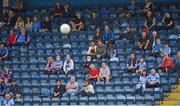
[[132, 63], [49, 69], [19, 23], [153, 79], [167, 64], [150, 21], [11, 38], [59, 89], [144, 42], [98, 35], [68, 66], [104, 72], [28, 23], [92, 49], [3, 52], [22, 38], [58, 10], [168, 21], [46, 25], [36, 25], [78, 23], [94, 20], [108, 35], [87, 89]]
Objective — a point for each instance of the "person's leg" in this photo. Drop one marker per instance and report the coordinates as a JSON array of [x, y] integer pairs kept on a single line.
[[66, 93], [83, 93]]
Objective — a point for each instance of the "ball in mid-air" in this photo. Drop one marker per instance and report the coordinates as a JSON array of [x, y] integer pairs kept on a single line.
[[65, 28]]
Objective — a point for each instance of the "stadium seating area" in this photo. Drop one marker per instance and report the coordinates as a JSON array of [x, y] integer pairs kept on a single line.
[[28, 62]]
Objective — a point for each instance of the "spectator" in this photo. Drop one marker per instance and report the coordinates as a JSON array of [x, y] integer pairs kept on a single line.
[[110, 50], [153, 79], [11, 19], [28, 23], [4, 20], [177, 63], [19, 23], [94, 20], [23, 38], [166, 48], [11, 38], [92, 49], [15, 90], [59, 89], [67, 10], [3, 52], [144, 42], [147, 7], [68, 65], [87, 89], [98, 34], [167, 64], [107, 35], [150, 21], [141, 65], [7, 73], [100, 50], [93, 73], [58, 64], [132, 63], [87, 64], [118, 39], [78, 22], [104, 72], [18, 6], [142, 81], [168, 21], [46, 25], [58, 10], [130, 10], [8, 100], [2, 89], [153, 38], [36, 25], [49, 69], [157, 48], [71, 87], [129, 35]]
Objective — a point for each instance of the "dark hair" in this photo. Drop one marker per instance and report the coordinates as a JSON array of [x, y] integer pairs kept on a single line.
[[143, 71], [58, 80], [165, 43]]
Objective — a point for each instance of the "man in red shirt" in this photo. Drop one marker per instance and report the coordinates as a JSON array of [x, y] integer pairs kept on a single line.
[[93, 73]]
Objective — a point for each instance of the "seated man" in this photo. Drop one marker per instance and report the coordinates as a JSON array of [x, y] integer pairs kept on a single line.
[[78, 23], [58, 64], [87, 89], [59, 89], [108, 35], [104, 72], [144, 42], [71, 87], [3, 52], [132, 63], [157, 48], [15, 90], [23, 38], [100, 49], [153, 79]]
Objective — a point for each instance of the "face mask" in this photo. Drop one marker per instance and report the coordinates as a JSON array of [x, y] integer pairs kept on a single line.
[[57, 58]]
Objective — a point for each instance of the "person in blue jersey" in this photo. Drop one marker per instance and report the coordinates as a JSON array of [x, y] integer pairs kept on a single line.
[[153, 79], [36, 25], [23, 37], [107, 35], [3, 52]]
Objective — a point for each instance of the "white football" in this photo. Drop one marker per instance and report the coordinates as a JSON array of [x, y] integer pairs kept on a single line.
[[65, 28]]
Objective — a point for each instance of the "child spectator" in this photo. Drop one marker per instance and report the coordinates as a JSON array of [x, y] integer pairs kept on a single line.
[[92, 49], [107, 35], [71, 87], [68, 65], [6, 73], [49, 69], [58, 64], [166, 48], [167, 64], [28, 23], [153, 79], [87, 89], [141, 65], [144, 42], [58, 10], [150, 21], [19, 23], [132, 63], [104, 74], [22, 38], [8, 100], [93, 73], [46, 25], [3, 52], [59, 89], [157, 48], [36, 25], [15, 90], [142, 81], [11, 38], [100, 50], [78, 22]]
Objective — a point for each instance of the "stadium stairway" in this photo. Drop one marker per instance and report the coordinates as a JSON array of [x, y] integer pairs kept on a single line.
[[172, 98]]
